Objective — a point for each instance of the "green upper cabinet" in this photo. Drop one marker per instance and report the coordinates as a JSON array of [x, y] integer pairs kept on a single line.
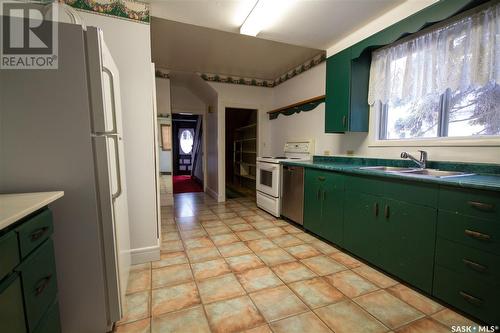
[[346, 107], [324, 204]]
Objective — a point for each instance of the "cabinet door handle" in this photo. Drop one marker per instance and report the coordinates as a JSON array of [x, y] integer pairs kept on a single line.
[[375, 208], [477, 235], [387, 211], [485, 207], [344, 121], [474, 265], [471, 299], [35, 235], [42, 284], [321, 178]]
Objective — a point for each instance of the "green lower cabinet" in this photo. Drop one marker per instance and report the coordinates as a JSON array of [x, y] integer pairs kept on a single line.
[[11, 305], [51, 322], [408, 242], [323, 204], [362, 234]]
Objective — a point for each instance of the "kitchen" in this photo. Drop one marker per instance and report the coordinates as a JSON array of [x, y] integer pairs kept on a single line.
[[369, 235]]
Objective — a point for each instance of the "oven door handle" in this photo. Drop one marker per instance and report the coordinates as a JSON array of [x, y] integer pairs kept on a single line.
[[265, 168]]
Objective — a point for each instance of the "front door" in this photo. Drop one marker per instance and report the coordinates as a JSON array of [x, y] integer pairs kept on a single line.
[[183, 139]]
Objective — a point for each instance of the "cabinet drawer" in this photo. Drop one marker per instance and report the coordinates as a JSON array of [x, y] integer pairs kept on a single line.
[[470, 231], [9, 254], [33, 232], [38, 274], [11, 306], [51, 322], [473, 203], [477, 299], [473, 264]]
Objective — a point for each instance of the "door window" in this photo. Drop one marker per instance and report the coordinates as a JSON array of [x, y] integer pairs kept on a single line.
[[186, 139]]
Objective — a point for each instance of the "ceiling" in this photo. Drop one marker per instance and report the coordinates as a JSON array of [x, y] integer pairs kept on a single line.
[[190, 48], [311, 23]]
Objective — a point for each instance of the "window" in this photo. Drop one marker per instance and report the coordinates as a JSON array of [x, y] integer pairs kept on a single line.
[[186, 140], [443, 83], [166, 137]]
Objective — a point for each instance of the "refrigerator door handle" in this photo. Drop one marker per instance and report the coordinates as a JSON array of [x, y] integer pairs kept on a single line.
[[118, 192], [113, 100]]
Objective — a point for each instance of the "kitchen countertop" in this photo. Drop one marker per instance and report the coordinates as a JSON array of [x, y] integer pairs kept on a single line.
[[480, 181], [14, 207]]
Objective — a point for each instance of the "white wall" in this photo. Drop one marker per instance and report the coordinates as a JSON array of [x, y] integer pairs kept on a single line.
[[246, 97], [129, 44], [185, 100], [163, 105], [311, 124]]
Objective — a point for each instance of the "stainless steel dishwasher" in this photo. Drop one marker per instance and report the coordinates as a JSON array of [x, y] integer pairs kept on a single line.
[[292, 199]]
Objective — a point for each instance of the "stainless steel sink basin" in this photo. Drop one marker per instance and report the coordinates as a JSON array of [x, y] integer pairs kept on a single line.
[[417, 172], [439, 173], [388, 169]]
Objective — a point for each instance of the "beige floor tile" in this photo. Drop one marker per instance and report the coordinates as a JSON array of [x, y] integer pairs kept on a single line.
[[306, 322], [450, 318], [260, 329], [293, 271], [316, 292], [140, 267], [169, 259], [229, 215], [281, 223], [302, 251], [346, 259], [273, 232], [203, 254], [188, 320], [254, 218], [292, 230], [219, 288], [305, 237], [246, 212], [194, 243], [250, 235], [286, 240], [259, 278], [211, 268], [171, 275], [218, 230], [275, 257], [424, 325], [323, 265], [415, 299], [347, 317], [140, 326], [234, 221], [351, 284], [234, 249], [324, 247], [136, 307], [378, 278], [139, 280], [170, 236], [224, 239], [244, 262], [263, 225], [390, 310], [260, 245], [174, 298], [197, 233], [233, 315], [277, 303], [171, 246], [241, 227]]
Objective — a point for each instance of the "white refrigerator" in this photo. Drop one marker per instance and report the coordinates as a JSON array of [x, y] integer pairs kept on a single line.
[[62, 130]]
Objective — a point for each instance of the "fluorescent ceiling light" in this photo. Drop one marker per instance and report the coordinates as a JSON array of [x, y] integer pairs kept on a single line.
[[263, 15]]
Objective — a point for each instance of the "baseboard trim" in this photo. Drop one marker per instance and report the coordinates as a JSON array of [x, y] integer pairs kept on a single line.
[[145, 254], [212, 193]]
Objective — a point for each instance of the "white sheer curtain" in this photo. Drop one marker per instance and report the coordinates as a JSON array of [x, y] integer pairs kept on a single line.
[[462, 55]]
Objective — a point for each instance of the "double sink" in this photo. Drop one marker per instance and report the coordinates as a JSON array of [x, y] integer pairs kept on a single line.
[[434, 173]]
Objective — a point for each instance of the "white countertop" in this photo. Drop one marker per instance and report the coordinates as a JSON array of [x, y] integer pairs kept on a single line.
[[14, 207]]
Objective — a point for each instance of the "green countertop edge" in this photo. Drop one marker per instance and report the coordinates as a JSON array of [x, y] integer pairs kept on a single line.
[[486, 176]]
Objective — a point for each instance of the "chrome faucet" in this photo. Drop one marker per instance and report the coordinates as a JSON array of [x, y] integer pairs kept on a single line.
[[422, 162]]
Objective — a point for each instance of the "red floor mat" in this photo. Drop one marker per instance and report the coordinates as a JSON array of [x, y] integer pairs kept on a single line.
[[184, 184]]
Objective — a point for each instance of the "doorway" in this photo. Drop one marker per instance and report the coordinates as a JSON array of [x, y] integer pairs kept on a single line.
[[187, 151], [241, 152]]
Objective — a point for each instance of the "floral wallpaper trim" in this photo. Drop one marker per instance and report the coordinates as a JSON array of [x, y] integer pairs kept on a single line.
[[125, 9], [258, 82]]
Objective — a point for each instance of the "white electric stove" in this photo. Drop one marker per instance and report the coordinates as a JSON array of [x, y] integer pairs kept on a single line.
[[269, 174]]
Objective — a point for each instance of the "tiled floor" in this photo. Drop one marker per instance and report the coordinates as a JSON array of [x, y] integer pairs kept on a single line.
[[231, 267]]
